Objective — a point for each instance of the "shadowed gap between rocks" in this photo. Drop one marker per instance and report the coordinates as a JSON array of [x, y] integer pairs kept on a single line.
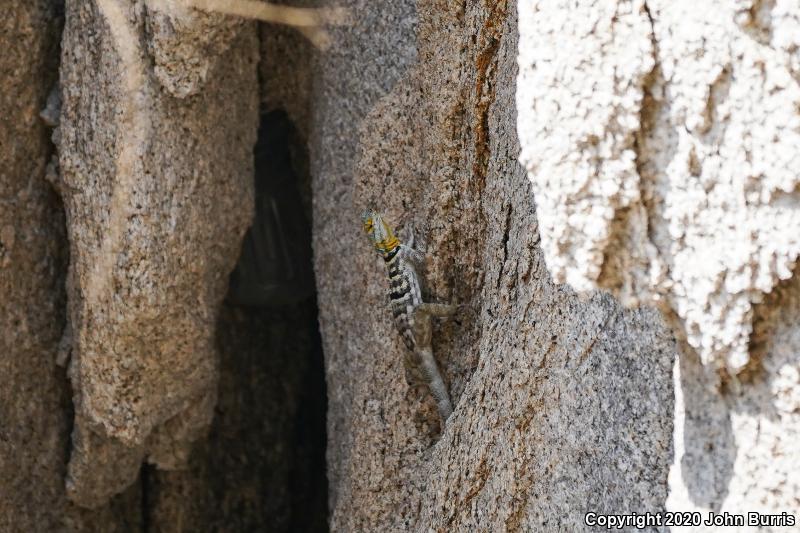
[[262, 467]]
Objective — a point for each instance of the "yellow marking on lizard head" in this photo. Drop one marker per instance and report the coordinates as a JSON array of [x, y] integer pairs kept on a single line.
[[379, 232]]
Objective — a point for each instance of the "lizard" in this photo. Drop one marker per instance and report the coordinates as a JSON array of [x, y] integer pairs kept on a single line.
[[412, 316]]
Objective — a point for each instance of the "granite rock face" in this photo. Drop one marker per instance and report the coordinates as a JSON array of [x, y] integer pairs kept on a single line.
[[115, 246]]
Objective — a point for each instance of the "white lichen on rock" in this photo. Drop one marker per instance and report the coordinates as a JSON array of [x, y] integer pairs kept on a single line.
[[579, 95], [696, 206]]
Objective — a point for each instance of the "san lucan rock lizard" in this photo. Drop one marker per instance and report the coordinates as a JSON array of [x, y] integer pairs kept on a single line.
[[412, 316]]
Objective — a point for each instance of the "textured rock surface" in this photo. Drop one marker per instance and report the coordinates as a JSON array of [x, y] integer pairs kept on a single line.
[[661, 138], [562, 405], [35, 412], [158, 192], [583, 66]]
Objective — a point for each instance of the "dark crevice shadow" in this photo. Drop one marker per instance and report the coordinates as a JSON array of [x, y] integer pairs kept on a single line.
[[274, 281], [144, 493], [272, 365]]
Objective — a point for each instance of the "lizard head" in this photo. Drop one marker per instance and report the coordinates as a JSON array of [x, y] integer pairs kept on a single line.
[[379, 232]]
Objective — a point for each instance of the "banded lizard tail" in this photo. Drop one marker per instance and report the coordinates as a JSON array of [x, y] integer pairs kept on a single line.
[[412, 316]]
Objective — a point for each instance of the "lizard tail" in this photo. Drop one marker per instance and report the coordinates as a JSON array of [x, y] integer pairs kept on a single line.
[[434, 380]]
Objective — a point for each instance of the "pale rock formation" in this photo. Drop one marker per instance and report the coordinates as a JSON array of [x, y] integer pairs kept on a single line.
[[660, 138]]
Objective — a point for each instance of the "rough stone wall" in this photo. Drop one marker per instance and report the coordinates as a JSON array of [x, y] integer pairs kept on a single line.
[[156, 177], [562, 405], [661, 140]]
